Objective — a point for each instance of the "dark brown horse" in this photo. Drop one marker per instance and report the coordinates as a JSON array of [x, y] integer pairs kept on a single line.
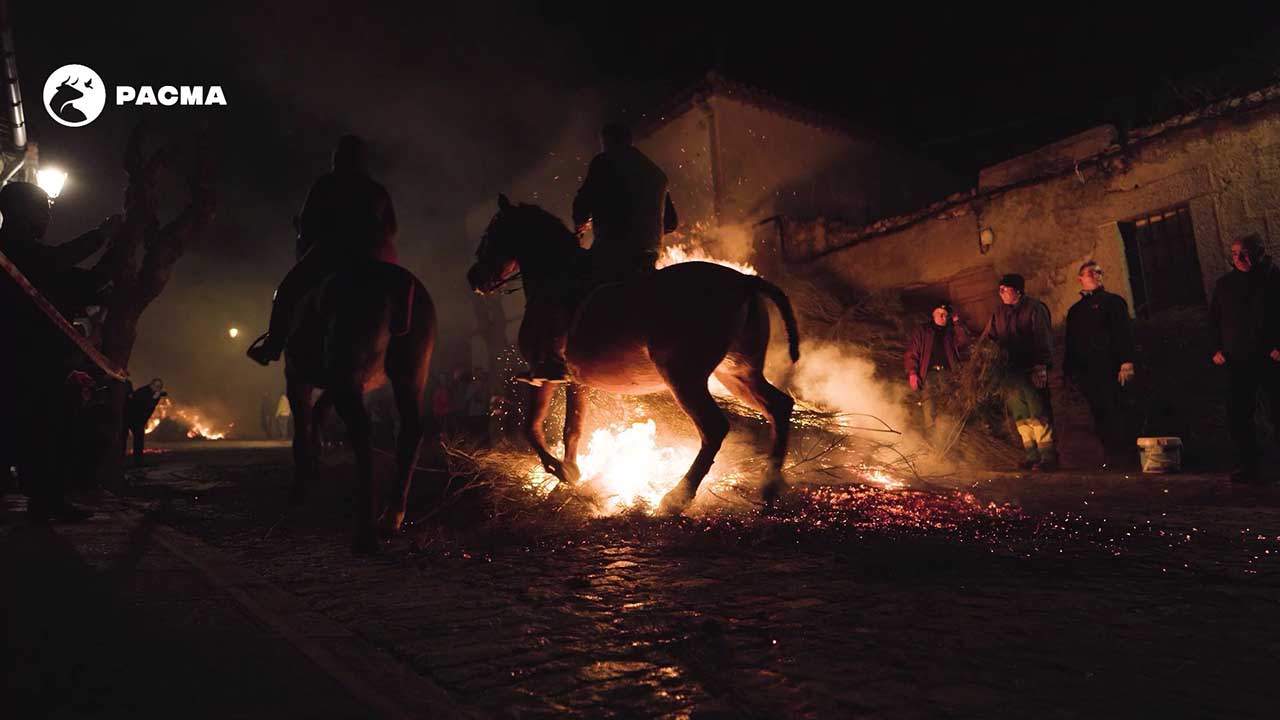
[[670, 330], [369, 324]]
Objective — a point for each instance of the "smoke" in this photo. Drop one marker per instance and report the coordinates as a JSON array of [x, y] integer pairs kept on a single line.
[[841, 378]]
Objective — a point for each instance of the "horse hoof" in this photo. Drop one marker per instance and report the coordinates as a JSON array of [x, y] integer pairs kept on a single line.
[[571, 473], [391, 524], [676, 500], [772, 492]]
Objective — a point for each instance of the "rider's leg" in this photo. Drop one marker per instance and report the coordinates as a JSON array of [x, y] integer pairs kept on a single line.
[[304, 276], [543, 333]]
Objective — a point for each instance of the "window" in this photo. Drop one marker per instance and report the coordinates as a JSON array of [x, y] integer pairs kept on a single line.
[[1164, 269]]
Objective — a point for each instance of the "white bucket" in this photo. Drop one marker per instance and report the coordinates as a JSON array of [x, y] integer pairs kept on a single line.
[[1160, 454]]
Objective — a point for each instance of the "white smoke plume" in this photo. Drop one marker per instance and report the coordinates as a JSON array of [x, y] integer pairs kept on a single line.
[[842, 379]]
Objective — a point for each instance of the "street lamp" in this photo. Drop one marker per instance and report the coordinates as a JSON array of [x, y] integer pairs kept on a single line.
[[51, 181], [233, 332]]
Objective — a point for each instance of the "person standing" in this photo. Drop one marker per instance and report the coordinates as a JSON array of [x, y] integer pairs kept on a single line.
[[1022, 327], [138, 409], [1245, 320], [932, 356], [1099, 361]]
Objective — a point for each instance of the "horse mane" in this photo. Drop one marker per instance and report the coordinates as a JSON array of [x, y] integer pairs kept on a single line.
[[546, 227]]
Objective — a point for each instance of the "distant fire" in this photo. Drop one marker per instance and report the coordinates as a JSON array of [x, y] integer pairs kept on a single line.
[[197, 425]]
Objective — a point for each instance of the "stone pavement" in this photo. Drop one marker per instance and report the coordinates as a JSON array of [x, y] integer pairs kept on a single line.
[[1056, 596], [121, 617]]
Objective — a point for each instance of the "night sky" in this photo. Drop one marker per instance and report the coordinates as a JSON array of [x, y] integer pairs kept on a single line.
[[458, 101]]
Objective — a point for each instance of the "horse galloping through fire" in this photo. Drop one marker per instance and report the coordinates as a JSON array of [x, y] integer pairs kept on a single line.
[[671, 329]]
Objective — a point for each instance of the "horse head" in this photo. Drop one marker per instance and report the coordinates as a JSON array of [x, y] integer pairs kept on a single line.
[[520, 238]]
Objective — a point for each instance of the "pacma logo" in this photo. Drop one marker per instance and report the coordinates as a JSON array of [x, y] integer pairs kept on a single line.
[[170, 95], [74, 95]]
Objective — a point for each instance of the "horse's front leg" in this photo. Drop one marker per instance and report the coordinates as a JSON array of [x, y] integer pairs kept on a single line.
[[539, 404]]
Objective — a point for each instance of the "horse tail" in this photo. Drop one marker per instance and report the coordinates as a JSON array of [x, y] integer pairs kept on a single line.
[[779, 298]]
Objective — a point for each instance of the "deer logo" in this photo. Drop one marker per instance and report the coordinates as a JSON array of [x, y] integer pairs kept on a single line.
[[74, 95]]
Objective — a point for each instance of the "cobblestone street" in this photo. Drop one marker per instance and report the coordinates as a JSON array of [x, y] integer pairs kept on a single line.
[[1059, 595]]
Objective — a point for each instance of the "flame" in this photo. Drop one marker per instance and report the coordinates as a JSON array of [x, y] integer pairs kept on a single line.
[[881, 478], [682, 253], [197, 427], [623, 465], [625, 468]]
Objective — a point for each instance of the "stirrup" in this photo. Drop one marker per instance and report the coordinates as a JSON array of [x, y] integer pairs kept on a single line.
[[260, 353], [529, 378]]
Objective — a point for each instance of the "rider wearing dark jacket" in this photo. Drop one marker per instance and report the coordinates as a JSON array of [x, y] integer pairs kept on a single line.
[[348, 217], [625, 199]]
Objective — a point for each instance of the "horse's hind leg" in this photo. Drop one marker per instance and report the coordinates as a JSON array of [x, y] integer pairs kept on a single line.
[[304, 446], [350, 405], [319, 416], [690, 391], [575, 410], [411, 406], [748, 384]]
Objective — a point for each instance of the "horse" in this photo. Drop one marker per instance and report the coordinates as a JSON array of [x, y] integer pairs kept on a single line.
[[667, 330], [368, 324]]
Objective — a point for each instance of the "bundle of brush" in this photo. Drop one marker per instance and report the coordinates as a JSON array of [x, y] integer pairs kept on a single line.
[[976, 396]]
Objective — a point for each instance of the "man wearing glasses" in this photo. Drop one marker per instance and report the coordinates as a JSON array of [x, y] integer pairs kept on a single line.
[[1245, 318]]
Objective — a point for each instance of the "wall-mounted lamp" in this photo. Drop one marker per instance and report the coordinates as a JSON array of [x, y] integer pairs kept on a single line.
[[986, 239]]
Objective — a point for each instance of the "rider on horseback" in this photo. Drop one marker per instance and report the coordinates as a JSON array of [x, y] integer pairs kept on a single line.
[[347, 217], [625, 200]]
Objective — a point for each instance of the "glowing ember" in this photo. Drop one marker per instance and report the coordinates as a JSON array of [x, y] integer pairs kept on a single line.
[[197, 426], [681, 253]]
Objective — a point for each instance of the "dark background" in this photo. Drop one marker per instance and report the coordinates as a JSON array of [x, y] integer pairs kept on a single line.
[[459, 100]]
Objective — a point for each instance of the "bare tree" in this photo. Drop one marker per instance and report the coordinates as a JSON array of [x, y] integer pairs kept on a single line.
[[143, 253]]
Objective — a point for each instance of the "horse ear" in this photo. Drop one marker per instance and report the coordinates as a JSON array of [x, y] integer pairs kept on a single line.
[[503, 202]]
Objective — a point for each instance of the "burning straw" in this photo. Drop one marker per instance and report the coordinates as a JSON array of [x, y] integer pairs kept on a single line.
[[851, 424]]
